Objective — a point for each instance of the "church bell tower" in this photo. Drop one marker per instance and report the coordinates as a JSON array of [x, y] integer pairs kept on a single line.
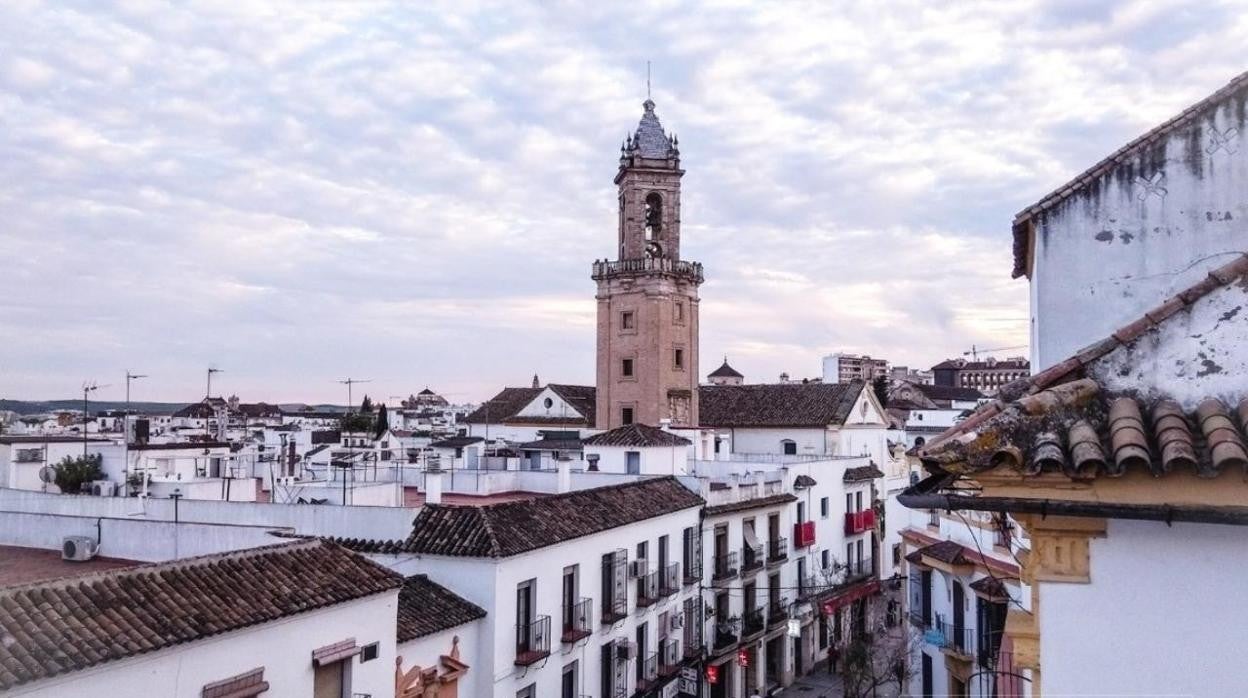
[[648, 296]]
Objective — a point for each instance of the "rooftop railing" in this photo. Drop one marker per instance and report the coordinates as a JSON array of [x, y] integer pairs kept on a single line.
[[606, 269]]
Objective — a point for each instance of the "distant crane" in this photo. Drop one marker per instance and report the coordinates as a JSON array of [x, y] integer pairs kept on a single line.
[[350, 382], [976, 351], [211, 371]]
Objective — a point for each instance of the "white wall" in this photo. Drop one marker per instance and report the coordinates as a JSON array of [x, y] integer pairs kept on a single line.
[[1126, 250], [810, 441], [1182, 629], [656, 460], [284, 648], [389, 523], [132, 539]]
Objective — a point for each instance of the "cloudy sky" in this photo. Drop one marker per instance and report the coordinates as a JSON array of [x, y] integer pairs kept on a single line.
[[413, 192]]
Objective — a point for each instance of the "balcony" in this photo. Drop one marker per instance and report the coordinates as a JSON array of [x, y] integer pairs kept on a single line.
[[725, 635], [693, 572], [957, 643], [615, 610], [648, 673], [809, 586], [669, 580], [753, 623], [725, 566], [917, 619], [605, 269], [751, 558], [859, 521], [777, 550], [857, 570], [669, 658], [533, 641], [777, 611], [692, 638], [648, 589], [577, 621], [804, 534]]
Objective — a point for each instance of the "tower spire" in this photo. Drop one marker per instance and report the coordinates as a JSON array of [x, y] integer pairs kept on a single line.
[[647, 80]]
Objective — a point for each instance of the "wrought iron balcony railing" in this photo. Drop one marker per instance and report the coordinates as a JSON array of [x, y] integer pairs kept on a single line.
[[533, 641], [577, 621]]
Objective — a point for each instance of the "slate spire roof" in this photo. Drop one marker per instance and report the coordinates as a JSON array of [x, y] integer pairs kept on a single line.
[[650, 141]]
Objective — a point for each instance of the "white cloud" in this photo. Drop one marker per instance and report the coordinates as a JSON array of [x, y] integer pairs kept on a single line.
[[415, 191]]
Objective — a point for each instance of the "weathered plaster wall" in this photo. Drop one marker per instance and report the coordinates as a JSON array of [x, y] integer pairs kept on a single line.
[[1150, 227], [1195, 354]]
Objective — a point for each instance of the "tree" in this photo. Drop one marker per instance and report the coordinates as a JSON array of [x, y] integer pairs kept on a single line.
[[72, 473], [366, 407], [382, 422], [356, 422], [880, 386], [876, 662]]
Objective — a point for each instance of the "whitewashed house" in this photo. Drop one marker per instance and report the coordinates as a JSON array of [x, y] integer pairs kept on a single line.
[[519, 415], [1122, 460], [23, 457], [592, 592], [315, 620]]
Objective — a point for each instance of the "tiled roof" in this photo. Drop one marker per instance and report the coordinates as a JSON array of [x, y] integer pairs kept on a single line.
[[777, 404], [725, 371], [1132, 149], [747, 504], [862, 472], [505, 407], [426, 607], [636, 435], [991, 587], [1060, 383], [804, 481], [53, 628], [551, 445], [946, 551], [456, 442], [964, 365], [502, 406], [14, 440], [511, 528]]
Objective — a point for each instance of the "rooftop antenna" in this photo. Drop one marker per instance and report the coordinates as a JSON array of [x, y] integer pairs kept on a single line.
[[88, 387], [647, 79], [350, 382], [125, 423]]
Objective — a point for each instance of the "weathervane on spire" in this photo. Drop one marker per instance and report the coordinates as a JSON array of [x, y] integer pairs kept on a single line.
[[647, 80]]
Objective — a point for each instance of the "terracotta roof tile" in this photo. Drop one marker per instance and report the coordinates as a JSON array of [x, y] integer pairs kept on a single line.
[[861, 473], [636, 435], [426, 607], [777, 404], [747, 504], [511, 528], [57, 627]]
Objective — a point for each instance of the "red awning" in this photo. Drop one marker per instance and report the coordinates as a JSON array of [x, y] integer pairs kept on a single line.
[[848, 596]]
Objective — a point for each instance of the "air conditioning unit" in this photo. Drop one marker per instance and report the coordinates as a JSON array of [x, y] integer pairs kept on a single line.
[[623, 650], [104, 488], [78, 548], [678, 622], [637, 568]]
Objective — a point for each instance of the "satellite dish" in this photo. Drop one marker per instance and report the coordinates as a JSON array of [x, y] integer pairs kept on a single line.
[[47, 474]]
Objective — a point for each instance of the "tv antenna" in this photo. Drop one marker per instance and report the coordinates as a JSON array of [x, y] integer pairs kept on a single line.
[[88, 387], [350, 382], [211, 371]]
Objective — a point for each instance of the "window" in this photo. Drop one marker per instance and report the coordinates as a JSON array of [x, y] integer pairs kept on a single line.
[[691, 553], [369, 652], [628, 321], [896, 554], [654, 215], [801, 512], [858, 501], [626, 415], [789, 447], [678, 360], [823, 507], [568, 683], [606, 668], [626, 368], [678, 311], [632, 459], [569, 599], [933, 518], [849, 503], [529, 691], [849, 556], [548, 403], [825, 559], [642, 650]]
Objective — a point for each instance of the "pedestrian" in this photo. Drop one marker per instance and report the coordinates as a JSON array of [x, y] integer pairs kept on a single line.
[[833, 655]]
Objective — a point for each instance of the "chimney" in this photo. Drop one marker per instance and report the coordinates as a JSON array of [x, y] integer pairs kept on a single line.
[[565, 475], [784, 378], [433, 486]]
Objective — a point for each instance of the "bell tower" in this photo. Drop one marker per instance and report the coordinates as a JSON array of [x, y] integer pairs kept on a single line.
[[648, 297]]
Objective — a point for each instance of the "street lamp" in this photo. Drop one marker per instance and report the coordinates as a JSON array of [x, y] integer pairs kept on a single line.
[[175, 495]]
